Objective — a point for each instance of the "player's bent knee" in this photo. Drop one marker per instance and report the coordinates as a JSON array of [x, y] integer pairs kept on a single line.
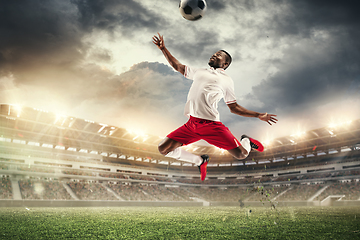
[[167, 145], [238, 153], [240, 156], [163, 150]]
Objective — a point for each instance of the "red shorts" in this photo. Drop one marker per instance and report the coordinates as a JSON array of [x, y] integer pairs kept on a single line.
[[212, 132]]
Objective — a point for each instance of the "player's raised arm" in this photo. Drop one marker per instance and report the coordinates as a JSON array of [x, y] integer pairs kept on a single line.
[[239, 110], [159, 42]]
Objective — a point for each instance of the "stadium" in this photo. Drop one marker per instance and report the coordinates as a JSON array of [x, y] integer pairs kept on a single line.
[[67, 160], [50, 160]]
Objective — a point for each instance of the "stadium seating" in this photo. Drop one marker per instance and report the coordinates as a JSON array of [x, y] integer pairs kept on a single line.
[[5, 188], [91, 191], [41, 189], [300, 192], [349, 189], [263, 193], [221, 194]]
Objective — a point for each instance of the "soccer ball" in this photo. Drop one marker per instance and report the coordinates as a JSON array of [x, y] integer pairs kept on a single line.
[[192, 9]]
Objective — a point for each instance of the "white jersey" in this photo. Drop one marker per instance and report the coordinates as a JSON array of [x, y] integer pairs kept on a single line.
[[208, 88]]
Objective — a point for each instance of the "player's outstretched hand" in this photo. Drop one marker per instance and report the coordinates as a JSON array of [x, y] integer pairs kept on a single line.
[[159, 41], [269, 118]]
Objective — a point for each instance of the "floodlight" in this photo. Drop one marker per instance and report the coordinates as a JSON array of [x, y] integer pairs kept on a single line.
[[103, 126], [135, 137], [298, 134], [58, 117], [40, 110], [137, 132], [222, 151], [17, 109], [111, 132], [267, 142]]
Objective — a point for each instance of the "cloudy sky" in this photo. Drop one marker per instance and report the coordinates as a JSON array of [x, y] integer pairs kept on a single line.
[[95, 60]]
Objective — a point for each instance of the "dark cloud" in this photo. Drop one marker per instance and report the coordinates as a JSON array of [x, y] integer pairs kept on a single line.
[[42, 35], [215, 6], [37, 33], [200, 49], [124, 15], [322, 62], [302, 17]]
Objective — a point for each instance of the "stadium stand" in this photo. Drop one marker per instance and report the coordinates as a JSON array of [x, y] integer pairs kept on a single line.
[[300, 192], [91, 191], [161, 193], [41, 152], [79, 172], [184, 193], [349, 189], [222, 194], [130, 192], [41, 189], [5, 189], [267, 192]]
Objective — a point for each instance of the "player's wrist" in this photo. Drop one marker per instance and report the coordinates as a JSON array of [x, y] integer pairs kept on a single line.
[[260, 115]]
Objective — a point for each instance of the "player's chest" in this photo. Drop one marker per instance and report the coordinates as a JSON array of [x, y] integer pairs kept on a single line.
[[208, 77]]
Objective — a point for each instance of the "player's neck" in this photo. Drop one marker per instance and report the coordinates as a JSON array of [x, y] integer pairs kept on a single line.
[[217, 68]]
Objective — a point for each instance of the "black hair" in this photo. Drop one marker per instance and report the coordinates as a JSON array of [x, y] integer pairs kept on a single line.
[[228, 58]]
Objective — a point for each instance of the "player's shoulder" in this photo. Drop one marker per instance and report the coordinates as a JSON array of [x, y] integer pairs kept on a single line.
[[224, 74], [193, 68], [198, 68]]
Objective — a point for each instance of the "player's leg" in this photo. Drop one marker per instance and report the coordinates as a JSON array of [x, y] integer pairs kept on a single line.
[[168, 145], [239, 152], [219, 135], [244, 149], [171, 148]]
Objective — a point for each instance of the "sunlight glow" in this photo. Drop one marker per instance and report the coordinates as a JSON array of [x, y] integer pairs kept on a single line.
[[336, 124], [17, 109], [299, 134], [60, 117], [267, 142], [138, 134]]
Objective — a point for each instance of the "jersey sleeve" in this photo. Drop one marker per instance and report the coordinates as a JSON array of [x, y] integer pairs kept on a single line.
[[190, 72], [229, 93]]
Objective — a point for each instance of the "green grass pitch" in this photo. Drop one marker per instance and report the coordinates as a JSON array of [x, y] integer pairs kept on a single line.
[[181, 223]]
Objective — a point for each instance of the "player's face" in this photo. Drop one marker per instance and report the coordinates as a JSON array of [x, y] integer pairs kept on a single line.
[[218, 60]]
